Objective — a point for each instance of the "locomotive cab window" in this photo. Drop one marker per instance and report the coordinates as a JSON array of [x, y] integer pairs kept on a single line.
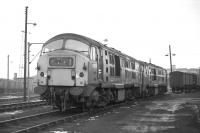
[[126, 64], [154, 74], [133, 65], [111, 59], [122, 63], [105, 52], [117, 65], [54, 45], [77, 46]]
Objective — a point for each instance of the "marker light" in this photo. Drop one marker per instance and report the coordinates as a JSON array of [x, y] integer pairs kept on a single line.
[[73, 74]]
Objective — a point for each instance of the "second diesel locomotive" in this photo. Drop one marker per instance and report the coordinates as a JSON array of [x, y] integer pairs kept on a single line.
[[74, 70]]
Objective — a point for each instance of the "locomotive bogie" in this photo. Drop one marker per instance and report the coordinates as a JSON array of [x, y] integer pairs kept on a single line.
[[121, 95]]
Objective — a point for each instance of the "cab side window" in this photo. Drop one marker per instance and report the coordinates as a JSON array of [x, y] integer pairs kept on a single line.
[[111, 59], [154, 73], [133, 65], [93, 55], [126, 64]]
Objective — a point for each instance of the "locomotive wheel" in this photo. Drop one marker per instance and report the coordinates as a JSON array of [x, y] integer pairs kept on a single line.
[[58, 102], [103, 101], [97, 99], [83, 107], [92, 100]]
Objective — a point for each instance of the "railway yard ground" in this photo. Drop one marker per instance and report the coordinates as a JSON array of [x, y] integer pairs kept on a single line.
[[172, 113]]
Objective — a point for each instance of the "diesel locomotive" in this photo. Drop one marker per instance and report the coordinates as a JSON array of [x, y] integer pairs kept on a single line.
[[74, 70]]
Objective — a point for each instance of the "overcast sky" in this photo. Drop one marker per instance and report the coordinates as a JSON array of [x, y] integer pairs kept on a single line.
[[142, 29]]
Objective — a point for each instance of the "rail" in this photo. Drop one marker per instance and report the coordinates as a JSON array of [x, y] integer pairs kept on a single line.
[[42, 121], [21, 105], [16, 100]]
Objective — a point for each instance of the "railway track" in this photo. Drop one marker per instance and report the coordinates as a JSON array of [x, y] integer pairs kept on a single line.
[[16, 100], [16, 124], [39, 122], [21, 105]]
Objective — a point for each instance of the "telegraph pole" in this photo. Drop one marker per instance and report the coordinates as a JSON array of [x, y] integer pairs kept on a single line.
[[25, 50], [170, 56], [8, 66], [29, 71]]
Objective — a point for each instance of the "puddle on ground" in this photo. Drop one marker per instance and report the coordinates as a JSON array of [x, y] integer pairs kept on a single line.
[[145, 128], [11, 113], [190, 99], [64, 132], [10, 97], [61, 130], [196, 110], [133, 105], [170, 106], [168, 115], [116, 112], [36, 100], [125, 107], [111, 112], [93, 118], [156, 119], [108, 112]]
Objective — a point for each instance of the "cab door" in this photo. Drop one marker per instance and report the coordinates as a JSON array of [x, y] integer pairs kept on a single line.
[[93, 65], [123, 78], [99, 53]]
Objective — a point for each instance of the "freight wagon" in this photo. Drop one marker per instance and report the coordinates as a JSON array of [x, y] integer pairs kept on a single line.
[[182, 81]]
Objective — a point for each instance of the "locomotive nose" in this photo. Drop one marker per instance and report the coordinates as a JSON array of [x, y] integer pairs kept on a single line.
[[62, 71], [67, 70]]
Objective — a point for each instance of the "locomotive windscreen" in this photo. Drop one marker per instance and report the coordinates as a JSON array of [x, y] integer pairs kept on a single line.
[[77, 46], [54, 45]]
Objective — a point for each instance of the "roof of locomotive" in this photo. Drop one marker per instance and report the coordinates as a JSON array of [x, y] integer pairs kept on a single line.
[[87, 40], [96, 43], [73, 36]]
